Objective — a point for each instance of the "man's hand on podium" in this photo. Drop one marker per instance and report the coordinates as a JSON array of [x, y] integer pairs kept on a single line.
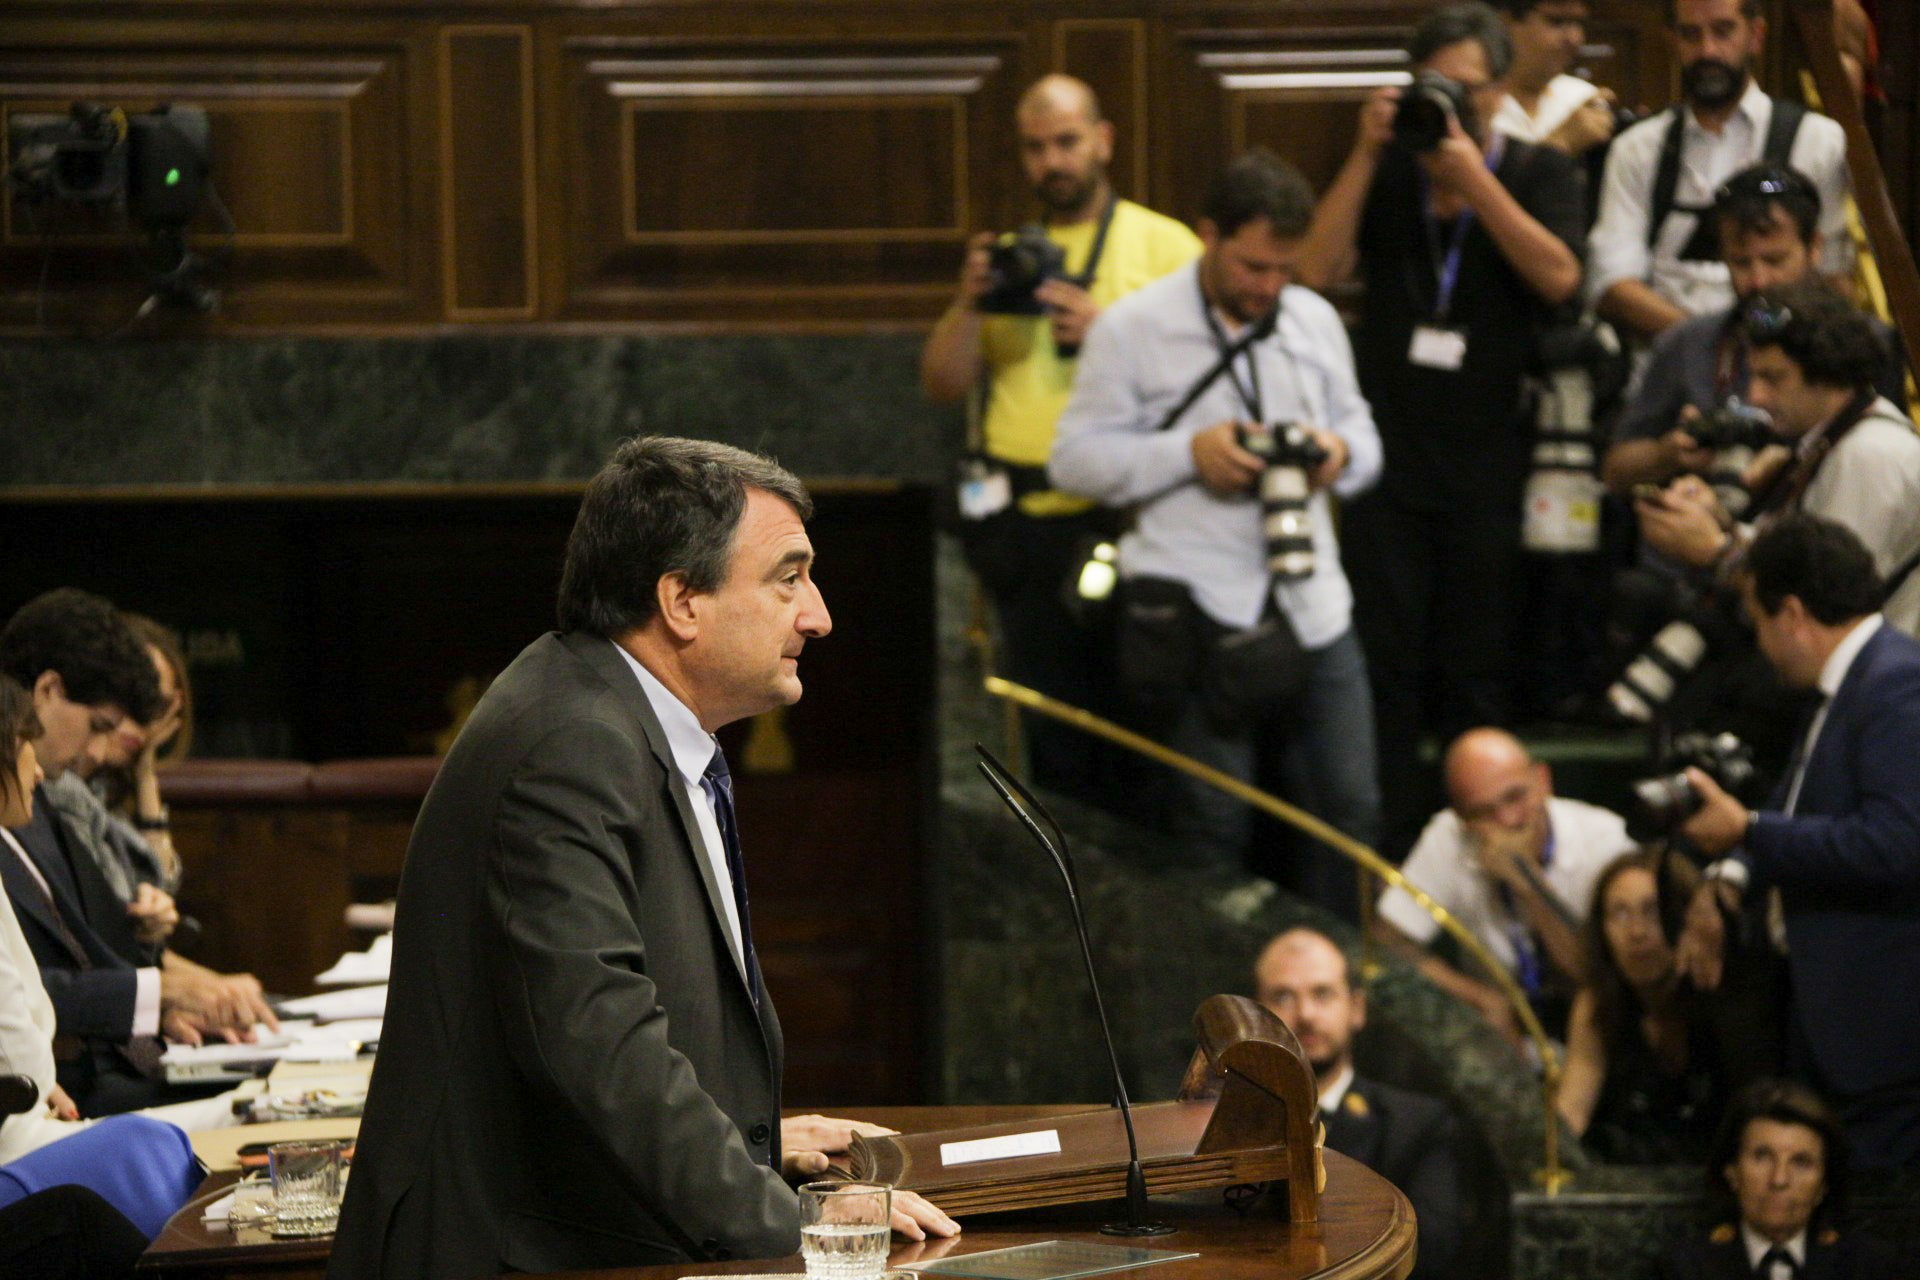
[[807, 1145]]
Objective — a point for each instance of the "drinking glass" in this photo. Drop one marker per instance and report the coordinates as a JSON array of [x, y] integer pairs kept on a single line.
[[306, 1186], [844, 1229]]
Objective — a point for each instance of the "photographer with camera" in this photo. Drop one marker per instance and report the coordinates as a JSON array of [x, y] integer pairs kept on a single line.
[[1544, 103], [1221, 404], [1023, 308], [1465, 239], [1855, 457], [1652, 261], [1840, 843], [1768, 219]]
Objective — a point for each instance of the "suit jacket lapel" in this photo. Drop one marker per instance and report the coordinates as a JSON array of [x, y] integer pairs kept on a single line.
[[30, 901], [602, 656]]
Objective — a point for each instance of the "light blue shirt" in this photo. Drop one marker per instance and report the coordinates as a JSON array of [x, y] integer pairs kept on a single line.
[[1140, 358], [693, 749]]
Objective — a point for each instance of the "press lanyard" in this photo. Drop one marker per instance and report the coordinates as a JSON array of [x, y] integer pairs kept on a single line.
[[1446, 266], [1525, 954], [1249, 391], [1085, 278]]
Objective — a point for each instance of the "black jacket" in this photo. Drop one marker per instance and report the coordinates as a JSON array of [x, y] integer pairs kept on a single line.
[[572, 1073], [1722, 1256], [1412, 1141]]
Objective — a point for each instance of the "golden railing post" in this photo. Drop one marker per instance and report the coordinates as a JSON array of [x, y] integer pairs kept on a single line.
[[1551, 1176]]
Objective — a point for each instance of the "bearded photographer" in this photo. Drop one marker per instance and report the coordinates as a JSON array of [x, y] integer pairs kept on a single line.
[[1768, 220], [1023, 539], [1235, 630], [1465, 240], [1839, 846], [1652, 261], [1813, 362]]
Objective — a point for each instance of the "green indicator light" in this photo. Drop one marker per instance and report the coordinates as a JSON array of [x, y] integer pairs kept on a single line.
[[173, 177]]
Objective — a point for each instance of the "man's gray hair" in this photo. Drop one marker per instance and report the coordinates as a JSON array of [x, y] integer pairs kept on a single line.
[[1456, 22], [661, 505]]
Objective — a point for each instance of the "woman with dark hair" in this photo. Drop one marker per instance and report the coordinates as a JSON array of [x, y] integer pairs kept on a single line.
[[1643, 1083], [142, 1165], [1776, 1190]]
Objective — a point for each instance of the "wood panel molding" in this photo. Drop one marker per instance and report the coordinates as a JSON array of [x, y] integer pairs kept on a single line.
[[489, 211]]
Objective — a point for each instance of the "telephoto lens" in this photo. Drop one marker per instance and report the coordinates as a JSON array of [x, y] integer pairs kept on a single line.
[[1650, 679], [1291, 453]]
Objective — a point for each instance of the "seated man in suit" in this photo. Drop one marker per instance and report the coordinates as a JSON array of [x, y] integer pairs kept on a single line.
[[113, 994], [1840, 844], [581, 1064], [1406, 1138], [1777, 1178]]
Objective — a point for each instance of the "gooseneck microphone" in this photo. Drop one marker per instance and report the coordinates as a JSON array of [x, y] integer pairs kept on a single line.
[[1024, 808], [1258, 331]]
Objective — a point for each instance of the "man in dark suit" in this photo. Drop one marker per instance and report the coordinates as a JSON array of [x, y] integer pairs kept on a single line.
[[1841, 843], [113, 995], [1777, 1181], [1407, 1138], [580, 1066]]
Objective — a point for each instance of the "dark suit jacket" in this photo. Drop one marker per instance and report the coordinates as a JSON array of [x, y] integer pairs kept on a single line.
[[92, 987], [572, 1073], [1410, 1140], [1847, 865], [1849, 1257]]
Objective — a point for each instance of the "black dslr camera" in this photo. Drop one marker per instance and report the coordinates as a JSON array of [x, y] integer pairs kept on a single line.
[[1661, 805], [1017, 264], [1291, 454], [1426, 107], [1734, 425]]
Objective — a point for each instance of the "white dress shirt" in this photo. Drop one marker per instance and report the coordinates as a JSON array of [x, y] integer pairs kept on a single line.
[[1832, 673], [693, 749], [1140, 358], [1563, 96], [1617, 247], [1757, 1246], [1336, 1090]]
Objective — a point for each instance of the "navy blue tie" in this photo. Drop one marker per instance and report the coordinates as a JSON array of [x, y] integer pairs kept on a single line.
[[717, 782]]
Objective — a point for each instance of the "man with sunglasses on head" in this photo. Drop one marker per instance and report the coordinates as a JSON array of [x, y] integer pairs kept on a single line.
[[1651, 258], [1768, 220], [1854, 457]]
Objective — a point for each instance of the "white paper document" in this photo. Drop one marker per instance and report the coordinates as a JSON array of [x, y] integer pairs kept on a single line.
[[1042, 1142], [360, 968], [337, 1006]]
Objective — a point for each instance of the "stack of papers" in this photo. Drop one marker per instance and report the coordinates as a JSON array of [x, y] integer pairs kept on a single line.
[[298, 1040], [358, 968], [338, 1006]]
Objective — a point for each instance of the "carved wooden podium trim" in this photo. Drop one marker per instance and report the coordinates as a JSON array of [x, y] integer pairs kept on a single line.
[[1245, 1114]]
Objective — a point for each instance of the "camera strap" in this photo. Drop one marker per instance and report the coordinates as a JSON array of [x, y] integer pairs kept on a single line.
[[1786, 495], [1446, 263], [1086, 274], [1249, 390]]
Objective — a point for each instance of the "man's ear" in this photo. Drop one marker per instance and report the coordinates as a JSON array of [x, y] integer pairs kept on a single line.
[[1208, 231], [48, 687], [1359, 1008], [677, 608], [1104, 131]]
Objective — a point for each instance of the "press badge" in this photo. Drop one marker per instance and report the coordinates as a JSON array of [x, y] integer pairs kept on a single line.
[[1438, 347], [984, 490]]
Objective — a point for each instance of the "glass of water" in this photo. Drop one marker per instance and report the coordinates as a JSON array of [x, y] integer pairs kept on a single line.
[[306, 1186], [845, 1228]]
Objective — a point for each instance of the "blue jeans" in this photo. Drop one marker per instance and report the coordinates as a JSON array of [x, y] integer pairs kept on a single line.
[[1327, 767]]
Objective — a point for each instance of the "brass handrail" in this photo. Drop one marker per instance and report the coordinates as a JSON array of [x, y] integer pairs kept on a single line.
[[1551, 1176]]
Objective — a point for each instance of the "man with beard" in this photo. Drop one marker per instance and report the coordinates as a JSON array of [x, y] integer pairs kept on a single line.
[[1652, 258], [1023, 539], [1768, 219], [1407, 1138], [1246, 659]]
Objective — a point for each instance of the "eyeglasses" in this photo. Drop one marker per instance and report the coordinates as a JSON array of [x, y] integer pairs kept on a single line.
[[1763, 321]]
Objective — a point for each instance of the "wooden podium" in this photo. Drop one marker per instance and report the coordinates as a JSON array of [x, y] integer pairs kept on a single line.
[[1245, 1114]]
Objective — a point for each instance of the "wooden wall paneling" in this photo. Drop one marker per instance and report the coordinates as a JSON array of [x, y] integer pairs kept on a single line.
[[313, 146], [489, 213], [1111, 55], [800, 177]]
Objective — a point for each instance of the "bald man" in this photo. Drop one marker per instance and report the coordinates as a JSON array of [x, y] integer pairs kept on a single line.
[[1024, 540], [1407, 1138], [1516, 865]]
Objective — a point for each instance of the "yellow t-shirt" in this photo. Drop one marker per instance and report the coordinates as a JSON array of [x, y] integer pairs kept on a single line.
[[1030, 380]]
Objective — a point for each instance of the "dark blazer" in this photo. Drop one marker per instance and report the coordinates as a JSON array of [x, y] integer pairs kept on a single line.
[[572, 1073], [1722, 1256], [1847, 865], [88, 970], [1411, 1140]]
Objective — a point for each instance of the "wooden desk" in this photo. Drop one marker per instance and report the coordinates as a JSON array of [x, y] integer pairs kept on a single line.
[[1365, 1232]]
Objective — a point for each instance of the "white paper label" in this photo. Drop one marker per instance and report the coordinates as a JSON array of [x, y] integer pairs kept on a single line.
[[1042, 1143], [1435, 347]]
